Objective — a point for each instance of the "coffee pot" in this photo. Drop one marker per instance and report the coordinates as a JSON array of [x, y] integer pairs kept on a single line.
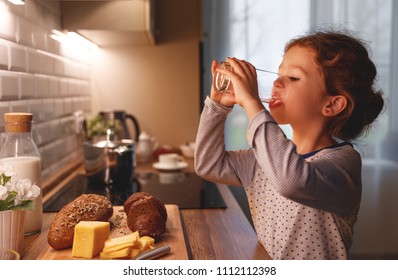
[[110, 162], [145, 147], [122, 116]]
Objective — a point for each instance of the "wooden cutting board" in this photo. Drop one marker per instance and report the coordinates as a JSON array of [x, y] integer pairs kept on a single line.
[[174, 236]]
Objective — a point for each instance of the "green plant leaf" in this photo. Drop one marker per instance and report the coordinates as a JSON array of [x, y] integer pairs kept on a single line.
[[8, 203], [25, 205], [4, 179]]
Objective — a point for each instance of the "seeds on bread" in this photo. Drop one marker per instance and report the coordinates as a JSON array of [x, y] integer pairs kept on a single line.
[[86, 207]]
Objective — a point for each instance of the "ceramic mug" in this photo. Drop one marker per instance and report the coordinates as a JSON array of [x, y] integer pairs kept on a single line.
[[169, 160]]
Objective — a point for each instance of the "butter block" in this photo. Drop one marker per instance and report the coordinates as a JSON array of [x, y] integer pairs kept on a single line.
[[89, 238]]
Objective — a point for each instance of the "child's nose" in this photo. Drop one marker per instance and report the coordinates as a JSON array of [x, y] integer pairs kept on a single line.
[[278, 82]]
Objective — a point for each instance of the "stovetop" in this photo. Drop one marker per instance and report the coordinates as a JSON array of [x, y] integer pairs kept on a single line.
[[186, 189]]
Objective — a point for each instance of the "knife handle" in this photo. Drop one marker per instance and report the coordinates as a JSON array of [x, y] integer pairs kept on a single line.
[[154, 253]]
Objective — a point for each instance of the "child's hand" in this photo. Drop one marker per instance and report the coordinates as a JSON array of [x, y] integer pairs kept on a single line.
[[244, 81], [227, 98]]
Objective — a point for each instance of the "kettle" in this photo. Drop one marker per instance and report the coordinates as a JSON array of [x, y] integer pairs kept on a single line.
[[122, 116]]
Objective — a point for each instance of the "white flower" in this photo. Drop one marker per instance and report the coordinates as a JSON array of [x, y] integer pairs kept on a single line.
[[25, 190], [7, 170], [21, 193], [3, 193]]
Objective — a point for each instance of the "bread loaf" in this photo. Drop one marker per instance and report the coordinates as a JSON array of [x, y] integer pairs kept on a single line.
[[145, 214], [87, 207]]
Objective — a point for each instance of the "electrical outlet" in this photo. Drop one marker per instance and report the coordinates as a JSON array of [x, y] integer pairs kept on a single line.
[[79, 121]]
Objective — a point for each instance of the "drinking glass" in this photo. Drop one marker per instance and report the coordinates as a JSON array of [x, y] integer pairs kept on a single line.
[[265, 78]]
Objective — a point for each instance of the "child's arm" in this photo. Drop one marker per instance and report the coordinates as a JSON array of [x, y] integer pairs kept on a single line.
[[212, 162], [331, 183]]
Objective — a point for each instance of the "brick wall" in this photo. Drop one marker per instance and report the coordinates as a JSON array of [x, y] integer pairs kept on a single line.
[[45, 77]]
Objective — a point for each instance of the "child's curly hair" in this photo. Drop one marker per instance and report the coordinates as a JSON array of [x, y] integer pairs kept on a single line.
[[348, 71]]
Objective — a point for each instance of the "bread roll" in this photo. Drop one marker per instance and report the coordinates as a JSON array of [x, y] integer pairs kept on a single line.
[[87, 207], [145, 214]]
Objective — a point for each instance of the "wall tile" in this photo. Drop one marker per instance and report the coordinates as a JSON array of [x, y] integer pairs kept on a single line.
[[42, 86], [48, 109], [69, 126], [68, 106], [39, 37], [4, 108], [59, 67], [19, 106], [80, 104], [17, 59], [24, 32], [46, 64], [72, 87], [35, 106], [28, 86], [53, 46], [63, 87], [8, 25], [59, 108], [33, 61], [9, 85], [41, 133], [53, 87], [3, 55], [53, 130], [85, 88]]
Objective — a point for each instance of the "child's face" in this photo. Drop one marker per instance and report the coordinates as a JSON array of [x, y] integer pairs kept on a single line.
[[300, 80]]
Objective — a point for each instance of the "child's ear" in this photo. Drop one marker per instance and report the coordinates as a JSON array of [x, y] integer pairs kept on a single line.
[[334, 105]]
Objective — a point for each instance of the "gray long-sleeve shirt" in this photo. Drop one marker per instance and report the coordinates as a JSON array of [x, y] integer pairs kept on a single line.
[[302, 208]]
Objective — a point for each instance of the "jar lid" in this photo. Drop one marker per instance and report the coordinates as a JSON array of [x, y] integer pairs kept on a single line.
[[18, 122], [18, 117]]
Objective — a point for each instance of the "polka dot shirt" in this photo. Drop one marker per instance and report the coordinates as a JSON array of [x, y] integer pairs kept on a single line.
[[302, 208], [290, 230]]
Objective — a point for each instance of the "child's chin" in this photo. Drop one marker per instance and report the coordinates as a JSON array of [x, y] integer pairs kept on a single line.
[[279, 118]]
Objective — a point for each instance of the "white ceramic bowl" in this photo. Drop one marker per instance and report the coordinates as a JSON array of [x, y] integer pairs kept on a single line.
[[188, 150]]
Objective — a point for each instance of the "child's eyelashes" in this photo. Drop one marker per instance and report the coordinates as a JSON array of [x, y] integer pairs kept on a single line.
[[291, 78]]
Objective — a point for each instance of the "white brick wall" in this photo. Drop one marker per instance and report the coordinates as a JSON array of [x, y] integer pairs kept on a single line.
[[40, 75]]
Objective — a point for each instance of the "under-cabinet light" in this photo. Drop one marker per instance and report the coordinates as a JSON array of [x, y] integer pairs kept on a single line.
[[17, 2], [72, 37], [78, 38]]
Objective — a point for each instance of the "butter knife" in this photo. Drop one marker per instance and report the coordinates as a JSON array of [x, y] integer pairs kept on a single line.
[[153, 253]]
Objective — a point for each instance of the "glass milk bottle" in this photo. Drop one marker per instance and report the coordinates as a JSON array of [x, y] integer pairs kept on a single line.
[[20, 153]]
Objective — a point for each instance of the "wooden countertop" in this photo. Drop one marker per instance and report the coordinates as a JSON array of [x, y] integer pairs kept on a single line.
[[210, 234]]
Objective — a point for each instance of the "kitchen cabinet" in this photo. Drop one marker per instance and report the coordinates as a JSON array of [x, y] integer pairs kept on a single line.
[[111, 23]]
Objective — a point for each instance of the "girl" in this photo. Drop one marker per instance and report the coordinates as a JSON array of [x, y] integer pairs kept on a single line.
[[304, 194]]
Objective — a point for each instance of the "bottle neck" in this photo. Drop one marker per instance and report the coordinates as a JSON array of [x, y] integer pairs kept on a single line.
[[13, 135], [18, 144]]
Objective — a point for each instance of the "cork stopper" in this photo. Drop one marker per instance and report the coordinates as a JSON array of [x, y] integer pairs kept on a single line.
[[18, 122]]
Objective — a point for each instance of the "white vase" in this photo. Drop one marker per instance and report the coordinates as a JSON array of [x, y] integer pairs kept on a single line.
[[12, 228]]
